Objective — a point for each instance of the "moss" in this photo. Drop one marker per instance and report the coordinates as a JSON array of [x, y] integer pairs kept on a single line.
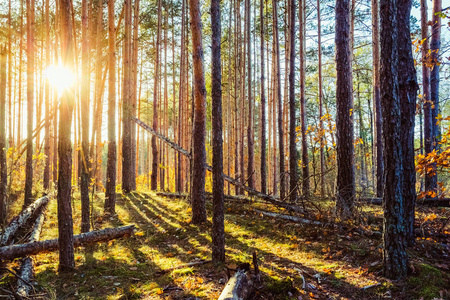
[[427, 283], [279, 287]]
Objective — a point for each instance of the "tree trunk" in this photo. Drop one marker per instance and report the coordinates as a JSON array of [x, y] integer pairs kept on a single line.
[[155, 160], [292, 116], [321, 134], [394, 243], [47, 100], [344, 117], [110, 193], [408, 87], [107, 234], [65, 223], [378, 142], [30, 102], [302, 40], [127, 137], [218, 228], [250, 139], [435, 46], [84, 153], [263, 103], [3, 169], [199, 159], [279, 99]]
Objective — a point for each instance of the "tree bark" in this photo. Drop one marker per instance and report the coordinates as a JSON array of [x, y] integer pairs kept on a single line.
[[21, 250], [263, 102], [65, 222], [218, 227], [47, 100], [3, 169], [199, 159], [279, 99], [344, 118], [303, 125], [378, 141], [293, 161], [154, 177], [394, 242], [110, 193], [84, 153], [250, 138], [321, 134], [30, 102], [20, 221], [408, 87], [239, 287]]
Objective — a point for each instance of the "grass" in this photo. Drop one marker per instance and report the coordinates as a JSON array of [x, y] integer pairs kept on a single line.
[[334, 262]]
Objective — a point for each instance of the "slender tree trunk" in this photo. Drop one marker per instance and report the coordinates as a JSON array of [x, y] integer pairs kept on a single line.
[[250, 139], [378, 143], [84, 157], [280, 100], [154, 178], [429, 180], [47, 100], [263, 103], [110, 193], [65, 223], [394, 253], [344, 117], [30, 103], [134, 90], [3, 169], [305, 160], [181, 94], [321, 134], [199, 157], [435, 46], [292, 115], [218, 229]]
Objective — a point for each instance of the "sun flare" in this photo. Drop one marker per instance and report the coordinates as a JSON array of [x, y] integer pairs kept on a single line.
[[59, 77]]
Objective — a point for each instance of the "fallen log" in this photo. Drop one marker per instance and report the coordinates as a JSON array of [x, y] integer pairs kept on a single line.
[[21, 250], [440, 202], [21, 220], [286, 217], [231, 180], [239, 287], [26, 271]]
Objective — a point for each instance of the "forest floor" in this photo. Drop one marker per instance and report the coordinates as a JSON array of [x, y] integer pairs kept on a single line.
[[336, 262]]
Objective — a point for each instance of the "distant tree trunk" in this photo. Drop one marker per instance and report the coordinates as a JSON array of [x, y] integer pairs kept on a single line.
[[30, 103], [394, 239], [250, 140], [408, 87], [127, 106], [292, 116], [154, 177], [378, 138], [321, 134], [65, 223], [110, 193], [47, 100], [199, 157], [134, 90], [181, 93], [218, 229], [263, 103], [84, 153], [344, 117], [279, 99], [435, 46], [430, 180], [305, 160], [3, 169]]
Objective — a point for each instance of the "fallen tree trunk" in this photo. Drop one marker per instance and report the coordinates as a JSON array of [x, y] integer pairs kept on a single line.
[[24, 288], [239, 287], [21, 250], [443, 202], [286, 217], [21, 220], [231, 180]]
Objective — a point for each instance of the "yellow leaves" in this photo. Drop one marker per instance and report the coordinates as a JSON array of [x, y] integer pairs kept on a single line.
[[351, 111], [430, 217], [139, 233]]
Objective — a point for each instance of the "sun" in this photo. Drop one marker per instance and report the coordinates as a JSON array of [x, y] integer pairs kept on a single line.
[[59, 77]]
